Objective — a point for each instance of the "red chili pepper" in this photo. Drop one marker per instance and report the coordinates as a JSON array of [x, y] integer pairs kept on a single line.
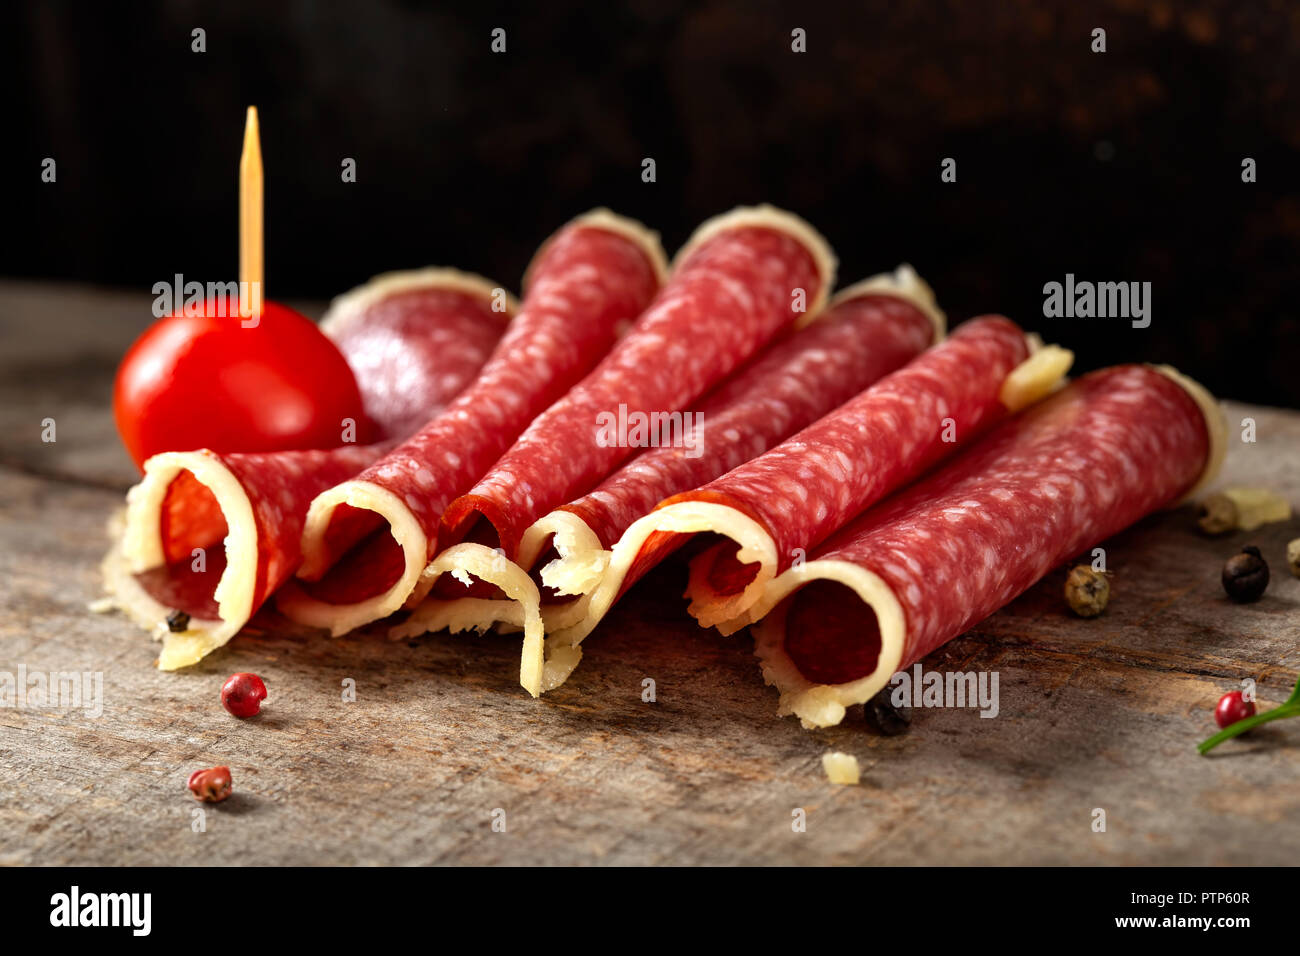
[[242, 694]]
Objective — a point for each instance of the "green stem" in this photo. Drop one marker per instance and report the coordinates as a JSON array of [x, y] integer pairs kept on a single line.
[[1295, 695]]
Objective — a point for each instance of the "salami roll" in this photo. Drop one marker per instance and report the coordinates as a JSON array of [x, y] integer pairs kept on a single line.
[[403, 336], [927, 564], [771, 510], [366, 540], [872, 329], [740, 281], [213, 535]]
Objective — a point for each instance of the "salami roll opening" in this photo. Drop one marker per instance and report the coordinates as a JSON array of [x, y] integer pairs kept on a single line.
[[366, 541], [213, 535], [940, 556], [831, 637]]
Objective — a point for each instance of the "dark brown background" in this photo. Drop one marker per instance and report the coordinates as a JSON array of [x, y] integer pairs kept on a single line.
[[1122, 166]]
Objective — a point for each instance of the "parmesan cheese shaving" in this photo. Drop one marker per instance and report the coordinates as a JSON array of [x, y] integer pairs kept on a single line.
[[522, 607], [1036, 377], [903, 283], [296, 604], [841, 768]]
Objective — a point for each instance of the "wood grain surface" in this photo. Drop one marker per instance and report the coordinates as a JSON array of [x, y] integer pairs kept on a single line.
[[1093, 714]]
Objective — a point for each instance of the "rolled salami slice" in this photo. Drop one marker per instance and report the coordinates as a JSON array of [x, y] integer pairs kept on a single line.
[[366, 540], [872, 329], [212, 535], [740, 281], [771, 510], [942, 555], [412, 352]]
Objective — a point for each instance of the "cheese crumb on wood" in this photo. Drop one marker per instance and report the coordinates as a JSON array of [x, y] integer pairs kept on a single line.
[[841, 768], [1242, 509]]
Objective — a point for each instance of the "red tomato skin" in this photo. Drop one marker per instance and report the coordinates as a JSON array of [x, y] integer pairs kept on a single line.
[[206, 381]]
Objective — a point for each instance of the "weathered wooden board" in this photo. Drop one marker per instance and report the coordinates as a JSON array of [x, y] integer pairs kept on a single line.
[[1101, 713]]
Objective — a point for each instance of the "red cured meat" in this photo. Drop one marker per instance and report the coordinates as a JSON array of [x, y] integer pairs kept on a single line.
[[1042, 487], [587, 281], [409, 367], [786, 388], [867, 447], [731, 294], [790, 499]]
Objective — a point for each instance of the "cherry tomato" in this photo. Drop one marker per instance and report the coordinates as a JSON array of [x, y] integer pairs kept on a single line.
[[206, 381]]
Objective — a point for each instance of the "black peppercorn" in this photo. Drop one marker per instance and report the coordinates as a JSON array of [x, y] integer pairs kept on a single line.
[[884, 718], [1245, 575], [177, 621]]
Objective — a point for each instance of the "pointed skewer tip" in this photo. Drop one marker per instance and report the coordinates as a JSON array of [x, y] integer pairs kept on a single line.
[[251, 132]]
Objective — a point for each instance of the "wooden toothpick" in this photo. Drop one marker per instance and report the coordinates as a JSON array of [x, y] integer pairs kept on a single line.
[[250, 214]]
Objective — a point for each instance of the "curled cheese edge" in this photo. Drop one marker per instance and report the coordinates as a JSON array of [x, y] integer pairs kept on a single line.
[[1216, 429], [770, 217], [608, 221], [1043, 372], [296, 604], [349, 306], [903, 283], [137, 547], [520, 609], [683, 517], [521, 605], [823, 705]]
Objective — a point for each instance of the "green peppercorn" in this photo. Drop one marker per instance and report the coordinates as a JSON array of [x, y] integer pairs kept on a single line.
[[1087, 591], [1245, 575]]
